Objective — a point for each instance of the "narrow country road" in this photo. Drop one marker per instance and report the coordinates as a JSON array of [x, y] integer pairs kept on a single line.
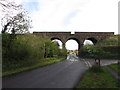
[[63, 74]]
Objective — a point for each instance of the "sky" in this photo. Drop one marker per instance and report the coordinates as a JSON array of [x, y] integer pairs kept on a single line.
[[72, 44], [68, 44], [72, 15]]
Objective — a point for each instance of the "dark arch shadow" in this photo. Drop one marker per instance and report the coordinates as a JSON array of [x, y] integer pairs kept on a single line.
[[93, 40], [73, 38], [53, 38]]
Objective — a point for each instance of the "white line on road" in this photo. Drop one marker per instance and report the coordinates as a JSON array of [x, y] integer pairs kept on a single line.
[[90, 65], [85, 62]]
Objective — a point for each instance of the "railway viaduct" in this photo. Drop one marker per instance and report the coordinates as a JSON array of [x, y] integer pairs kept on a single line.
[[80, 37]]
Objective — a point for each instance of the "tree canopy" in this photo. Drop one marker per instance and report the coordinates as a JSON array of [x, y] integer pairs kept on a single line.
[[15, 19]]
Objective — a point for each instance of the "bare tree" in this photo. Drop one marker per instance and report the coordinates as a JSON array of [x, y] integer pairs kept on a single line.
[[15, 19]]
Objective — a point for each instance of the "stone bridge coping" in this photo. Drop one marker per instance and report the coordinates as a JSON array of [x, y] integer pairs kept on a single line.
[[78, 36]]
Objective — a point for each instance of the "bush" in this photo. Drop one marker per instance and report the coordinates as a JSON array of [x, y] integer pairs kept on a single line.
[[51, 49], [102, 52], [96, 69], [110, 41], [111, 49], [63, 52], [26, 50], [91, 51]]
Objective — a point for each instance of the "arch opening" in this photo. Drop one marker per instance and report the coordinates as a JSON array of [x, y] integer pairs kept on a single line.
[[58, 41], [72, 46], [90, 41], [93, 40]]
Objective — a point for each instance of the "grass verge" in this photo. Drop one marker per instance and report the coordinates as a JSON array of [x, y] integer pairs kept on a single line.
[[41, 63], [115, 67], [101, 79]]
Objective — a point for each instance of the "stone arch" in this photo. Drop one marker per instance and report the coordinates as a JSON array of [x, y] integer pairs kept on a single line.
[[73, 38], [94, 40], [78, 41], [78, 36], [53, 38]]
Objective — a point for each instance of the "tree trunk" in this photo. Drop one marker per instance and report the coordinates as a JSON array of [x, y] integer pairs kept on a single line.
[[5, 27]]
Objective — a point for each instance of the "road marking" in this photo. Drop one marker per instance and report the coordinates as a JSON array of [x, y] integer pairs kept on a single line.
[[87, 63], [90, 65]]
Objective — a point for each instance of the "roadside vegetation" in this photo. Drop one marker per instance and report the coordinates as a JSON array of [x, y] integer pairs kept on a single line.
[[40, 63], [105, 49], [111, 41], [98, 77], [115, 67], [21, 50], [28, 51]]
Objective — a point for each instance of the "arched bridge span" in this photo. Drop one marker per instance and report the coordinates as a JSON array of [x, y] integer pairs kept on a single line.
[[80, 37]]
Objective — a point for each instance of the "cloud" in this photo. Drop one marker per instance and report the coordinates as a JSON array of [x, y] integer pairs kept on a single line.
[[70, 16], [73, 15], [54, 14], [77, 15]]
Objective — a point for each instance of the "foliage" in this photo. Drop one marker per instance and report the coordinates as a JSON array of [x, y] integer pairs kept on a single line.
[[41, 63], [98, 80], [51, 48], [111, 41], [16, 24], [63, 51], [15, 19], [91, 51], [26, 50], [102, 52], [24, 46], [8, 5], [111, 49], [116, 67], [96, 69]]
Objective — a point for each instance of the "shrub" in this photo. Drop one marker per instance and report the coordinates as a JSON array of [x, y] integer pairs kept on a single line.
[[24, 50], [102, 52], [111, 49], [110, 41], [96, 69], [91, 51]]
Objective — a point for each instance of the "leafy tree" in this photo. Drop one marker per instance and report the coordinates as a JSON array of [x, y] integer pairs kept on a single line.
[[110, 41], [16, 25], [63, 51], [92, 51], [51, 48], [15, 20]]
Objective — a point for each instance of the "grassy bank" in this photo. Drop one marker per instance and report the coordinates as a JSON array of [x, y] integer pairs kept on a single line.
[[101, 79], [115, 67], [40, 63]]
